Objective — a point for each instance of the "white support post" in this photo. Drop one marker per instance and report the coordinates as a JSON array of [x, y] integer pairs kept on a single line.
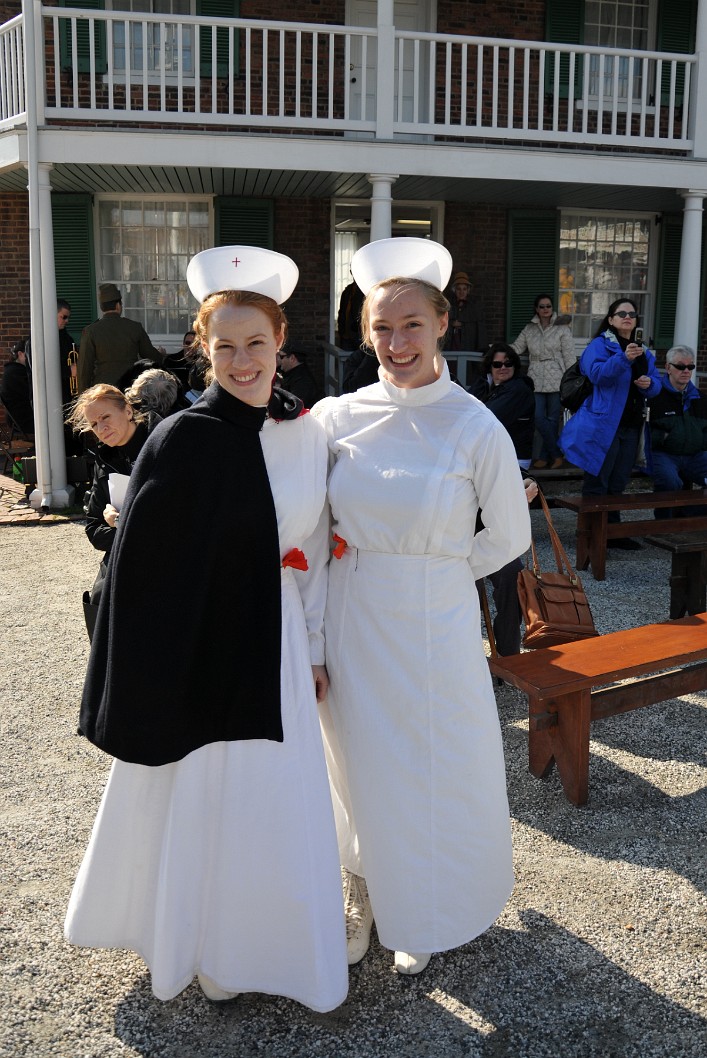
[[687, 309], [697, 128], [385, 72], [62, 493], [381, 204]]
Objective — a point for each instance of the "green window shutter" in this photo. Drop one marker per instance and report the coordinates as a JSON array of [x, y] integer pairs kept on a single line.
[[677, 20], [218, 9], [533, 241], [668, 272], [245, 221], [564, 24], [83, 55], [72, 223]]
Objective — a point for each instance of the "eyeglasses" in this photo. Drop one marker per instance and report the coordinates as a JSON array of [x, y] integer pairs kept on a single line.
[[626, 315], [501, 363], [683, 367], [544, 306]]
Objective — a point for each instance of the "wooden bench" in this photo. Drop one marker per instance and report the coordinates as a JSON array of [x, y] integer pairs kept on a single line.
[[559, 682], [688, 571], [594, 529]]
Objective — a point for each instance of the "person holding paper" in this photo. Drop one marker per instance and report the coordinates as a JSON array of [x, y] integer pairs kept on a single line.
[[120, 430], [214, 851]]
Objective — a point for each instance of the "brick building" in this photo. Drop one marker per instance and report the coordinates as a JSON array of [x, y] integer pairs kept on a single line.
[[555, 145]]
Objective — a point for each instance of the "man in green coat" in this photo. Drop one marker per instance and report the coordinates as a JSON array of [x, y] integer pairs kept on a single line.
[[112, 344]]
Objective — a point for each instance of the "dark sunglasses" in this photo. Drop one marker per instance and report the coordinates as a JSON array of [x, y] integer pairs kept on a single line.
[[683, 367], [544, 306], [501, 363], [63, 316], [626, 315]]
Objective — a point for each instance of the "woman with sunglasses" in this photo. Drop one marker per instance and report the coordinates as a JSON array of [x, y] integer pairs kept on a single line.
[[509, 395], [548, 341], [602, 437]]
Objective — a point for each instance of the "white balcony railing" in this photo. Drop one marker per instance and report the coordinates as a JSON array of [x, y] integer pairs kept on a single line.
[[12, 80], [338, 80]]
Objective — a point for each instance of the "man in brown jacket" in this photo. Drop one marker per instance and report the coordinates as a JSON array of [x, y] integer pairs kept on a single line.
[[112, 344]]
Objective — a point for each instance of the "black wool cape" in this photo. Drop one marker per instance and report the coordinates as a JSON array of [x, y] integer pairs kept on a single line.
[[181, 659]]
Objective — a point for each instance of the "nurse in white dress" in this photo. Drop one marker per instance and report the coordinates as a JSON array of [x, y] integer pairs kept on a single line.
[[224, 864], [411, 728]]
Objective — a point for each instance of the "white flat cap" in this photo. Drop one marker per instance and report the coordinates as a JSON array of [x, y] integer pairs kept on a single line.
[[411, 258], [242, 268]]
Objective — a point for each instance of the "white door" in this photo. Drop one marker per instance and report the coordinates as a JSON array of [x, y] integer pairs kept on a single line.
[[411, 15]]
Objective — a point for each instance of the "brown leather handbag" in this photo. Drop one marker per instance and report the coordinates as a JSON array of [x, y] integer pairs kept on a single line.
[[555, 608]]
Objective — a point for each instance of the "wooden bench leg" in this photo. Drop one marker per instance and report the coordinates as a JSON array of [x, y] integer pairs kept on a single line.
[[597, 544], [559, 733], [583, 536]]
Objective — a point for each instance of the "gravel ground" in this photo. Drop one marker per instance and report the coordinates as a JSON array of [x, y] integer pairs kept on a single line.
[[600, 952]]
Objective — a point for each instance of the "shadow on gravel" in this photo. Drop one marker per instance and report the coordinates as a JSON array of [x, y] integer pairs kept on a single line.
[[534, 992], [626, 818]]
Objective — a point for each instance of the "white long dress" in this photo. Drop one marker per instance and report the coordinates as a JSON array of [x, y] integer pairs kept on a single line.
[[411, 730], [225, 863]]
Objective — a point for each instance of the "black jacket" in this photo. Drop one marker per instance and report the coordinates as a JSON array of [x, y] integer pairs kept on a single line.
[[117, 460], [301, 382], [178, 664], [513, 404]]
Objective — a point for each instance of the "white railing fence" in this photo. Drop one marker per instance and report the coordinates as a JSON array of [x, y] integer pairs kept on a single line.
[[249, 73], [527, 90], [12, 79]]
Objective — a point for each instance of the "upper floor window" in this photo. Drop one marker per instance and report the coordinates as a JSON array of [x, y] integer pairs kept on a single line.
[[616, 24], [144, 247], [159, 43]]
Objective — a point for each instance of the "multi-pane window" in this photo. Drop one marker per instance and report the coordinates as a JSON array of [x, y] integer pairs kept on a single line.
[[170, 45], [602, 258], [145, 246], [616, 24]]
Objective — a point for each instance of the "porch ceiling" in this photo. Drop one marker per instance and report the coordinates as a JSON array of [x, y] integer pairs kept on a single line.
[[271, 183]]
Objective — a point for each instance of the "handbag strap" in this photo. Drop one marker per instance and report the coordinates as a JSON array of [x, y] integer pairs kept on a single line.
[[561, 559]]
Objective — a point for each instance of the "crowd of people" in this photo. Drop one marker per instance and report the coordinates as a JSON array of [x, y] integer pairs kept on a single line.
[[330, 712]]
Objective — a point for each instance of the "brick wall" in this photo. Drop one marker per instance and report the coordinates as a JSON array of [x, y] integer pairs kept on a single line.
[[14, 271], [475, 235], [302, 232]]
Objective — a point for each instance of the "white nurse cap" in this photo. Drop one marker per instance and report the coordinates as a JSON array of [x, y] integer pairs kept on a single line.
[[242, 268], [411, 258]]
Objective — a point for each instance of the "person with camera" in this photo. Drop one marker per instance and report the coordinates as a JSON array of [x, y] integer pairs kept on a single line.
[[602, 437]]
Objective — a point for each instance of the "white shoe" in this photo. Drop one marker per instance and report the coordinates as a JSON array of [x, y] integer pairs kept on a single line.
[[359, 917], [212, 990], [411, 962]]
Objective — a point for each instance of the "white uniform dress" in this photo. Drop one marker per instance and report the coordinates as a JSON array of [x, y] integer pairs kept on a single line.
[[225, 863], [411, 730]]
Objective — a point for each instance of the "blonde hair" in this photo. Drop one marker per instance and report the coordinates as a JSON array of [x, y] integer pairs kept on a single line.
[[236, 298], [434, 297], [77, 418]]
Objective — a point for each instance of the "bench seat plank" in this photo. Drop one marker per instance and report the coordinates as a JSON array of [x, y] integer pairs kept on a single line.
[[561, 703], [594, 529]]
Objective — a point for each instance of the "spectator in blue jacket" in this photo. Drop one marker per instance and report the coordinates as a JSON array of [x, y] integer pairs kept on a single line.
[[602, 437], [678, 430]]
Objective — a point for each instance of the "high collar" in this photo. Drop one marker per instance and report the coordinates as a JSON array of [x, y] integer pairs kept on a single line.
[[416, 398], [224, 405]]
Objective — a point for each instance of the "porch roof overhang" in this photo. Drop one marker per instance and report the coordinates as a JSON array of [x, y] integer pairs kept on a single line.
[[243, 164]]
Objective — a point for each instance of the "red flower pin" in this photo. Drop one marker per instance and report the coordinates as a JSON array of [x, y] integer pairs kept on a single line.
[[296, 559], [341, 546]]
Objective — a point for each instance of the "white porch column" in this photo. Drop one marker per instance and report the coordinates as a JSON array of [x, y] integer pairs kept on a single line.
[[381, 204], [385, 70], [697, 127], [62, 494], [687, 309]]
